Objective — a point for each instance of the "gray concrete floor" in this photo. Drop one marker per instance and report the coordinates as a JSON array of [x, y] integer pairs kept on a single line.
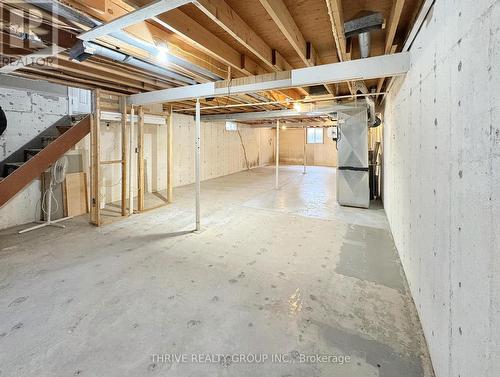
[[285, 272]]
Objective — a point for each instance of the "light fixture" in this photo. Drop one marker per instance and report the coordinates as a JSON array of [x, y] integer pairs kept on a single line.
[[162, 54], [297, 106]]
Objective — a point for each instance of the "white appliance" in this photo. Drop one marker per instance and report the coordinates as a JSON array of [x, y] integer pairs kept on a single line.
[[353, 187]]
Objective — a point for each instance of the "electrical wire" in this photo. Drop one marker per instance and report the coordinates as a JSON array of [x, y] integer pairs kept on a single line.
[[57, 175]]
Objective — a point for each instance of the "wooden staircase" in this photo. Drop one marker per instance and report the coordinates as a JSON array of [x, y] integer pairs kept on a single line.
[[36, 161]]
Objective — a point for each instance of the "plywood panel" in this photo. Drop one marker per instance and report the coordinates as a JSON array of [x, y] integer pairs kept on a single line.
[[292, 149], [76, 194]]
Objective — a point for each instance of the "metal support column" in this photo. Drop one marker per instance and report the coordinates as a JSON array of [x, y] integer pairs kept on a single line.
[[170, 156], [305, 154], [197, 161], [277, 158], [130, 165]]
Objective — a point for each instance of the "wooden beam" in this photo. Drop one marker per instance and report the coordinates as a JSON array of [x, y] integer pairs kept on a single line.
[[150, 32], [285, 22], [225, 17], [95, 185], [337, 22], [132, 18], [361, 69], [36, 165], [195, 34], [391, 28]]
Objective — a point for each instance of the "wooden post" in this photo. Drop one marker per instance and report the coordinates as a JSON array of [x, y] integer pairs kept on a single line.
[[140, 161], [123, 110], [95, 186], [170, 156]]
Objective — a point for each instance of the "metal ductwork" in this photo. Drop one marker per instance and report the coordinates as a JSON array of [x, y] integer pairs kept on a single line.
[[362, 27], [83, 50], [76, 17], [364, 44]]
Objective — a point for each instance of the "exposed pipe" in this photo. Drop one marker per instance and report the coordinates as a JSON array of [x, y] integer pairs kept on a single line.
[[364, 44]]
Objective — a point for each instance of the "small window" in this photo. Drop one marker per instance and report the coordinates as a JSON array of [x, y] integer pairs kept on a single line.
[[315, 136]]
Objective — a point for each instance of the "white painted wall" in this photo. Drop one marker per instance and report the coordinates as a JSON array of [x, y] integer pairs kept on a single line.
[[442, 183]]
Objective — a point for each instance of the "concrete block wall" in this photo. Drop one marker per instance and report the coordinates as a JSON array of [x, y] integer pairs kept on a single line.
[[30, 107], [442, 183], [29, 112]]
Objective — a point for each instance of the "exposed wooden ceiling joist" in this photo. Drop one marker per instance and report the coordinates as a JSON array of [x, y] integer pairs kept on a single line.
[[285, 22], [391, 29]]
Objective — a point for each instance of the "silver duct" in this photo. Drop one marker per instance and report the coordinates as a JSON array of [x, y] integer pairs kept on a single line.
[[364, 44], [83, 50], [74, 16]]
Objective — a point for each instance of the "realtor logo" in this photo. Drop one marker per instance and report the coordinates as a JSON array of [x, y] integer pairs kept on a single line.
[[28, 35]]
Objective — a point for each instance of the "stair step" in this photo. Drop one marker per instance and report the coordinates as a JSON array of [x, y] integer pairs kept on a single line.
[[11, 166], [63, 129], [28, 153], [46, 140], [14, 164]]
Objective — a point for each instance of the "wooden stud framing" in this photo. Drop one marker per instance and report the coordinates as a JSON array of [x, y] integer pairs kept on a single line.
[[95, 187], [140, 160]]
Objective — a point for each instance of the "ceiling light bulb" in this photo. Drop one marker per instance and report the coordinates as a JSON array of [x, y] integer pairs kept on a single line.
[[297, 106], [162, 54]]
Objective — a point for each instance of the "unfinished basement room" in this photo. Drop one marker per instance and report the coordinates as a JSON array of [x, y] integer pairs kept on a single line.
[[246, 188]]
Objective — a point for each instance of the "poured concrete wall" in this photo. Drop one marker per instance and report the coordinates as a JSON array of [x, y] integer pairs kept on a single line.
[[442, 183]]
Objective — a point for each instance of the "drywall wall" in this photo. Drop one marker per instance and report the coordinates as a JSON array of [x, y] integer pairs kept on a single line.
[[442, 183], [292, 149], [30, 109]]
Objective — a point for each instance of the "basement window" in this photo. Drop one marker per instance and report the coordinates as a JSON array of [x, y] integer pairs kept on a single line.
[[315, 136]]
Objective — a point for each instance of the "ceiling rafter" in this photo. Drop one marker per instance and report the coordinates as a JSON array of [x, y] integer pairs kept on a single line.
[[192, 32], [336, 14], [287, 25], [337, 22], [391, 29]]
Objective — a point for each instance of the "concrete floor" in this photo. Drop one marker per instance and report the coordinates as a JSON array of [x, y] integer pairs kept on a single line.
[[285, 272]]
